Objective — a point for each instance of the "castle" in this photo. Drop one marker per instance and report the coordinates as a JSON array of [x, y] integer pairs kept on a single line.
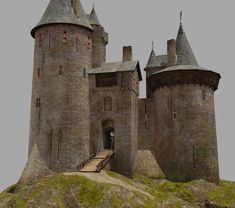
[[82, 105]]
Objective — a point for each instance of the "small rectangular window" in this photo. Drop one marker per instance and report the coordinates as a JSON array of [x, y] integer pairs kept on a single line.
[[84, 73], [77, 42], [65, 37], [60, 70], [49, 41], [38, 103], [174, 114], [89, 43], [203, 94], [39, 71]]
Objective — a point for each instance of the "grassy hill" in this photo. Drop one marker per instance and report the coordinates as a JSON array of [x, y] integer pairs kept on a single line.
[[108, 189]]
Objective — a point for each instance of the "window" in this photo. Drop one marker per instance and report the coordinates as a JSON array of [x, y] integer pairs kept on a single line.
[[65, 37], [50, 136], [84, 73], [60, 137], [203, 94], [40, 40], [108, 104], [60, 70], [77, 42], [106, 80], [49, 41], [38, 103], [174, 114], [39, 71], [89, 43]]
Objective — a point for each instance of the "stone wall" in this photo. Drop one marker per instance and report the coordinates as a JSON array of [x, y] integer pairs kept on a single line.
[[185, 141], [60, 101], [146, 124], [121, 116]]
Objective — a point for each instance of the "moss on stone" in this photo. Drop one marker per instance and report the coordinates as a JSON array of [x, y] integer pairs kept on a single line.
[[224, 194], [78, 191]]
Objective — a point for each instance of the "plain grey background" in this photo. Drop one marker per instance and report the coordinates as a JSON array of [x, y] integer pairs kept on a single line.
[[209, 25]]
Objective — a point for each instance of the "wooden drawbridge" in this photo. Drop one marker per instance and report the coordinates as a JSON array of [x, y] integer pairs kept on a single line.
[[96, 162]]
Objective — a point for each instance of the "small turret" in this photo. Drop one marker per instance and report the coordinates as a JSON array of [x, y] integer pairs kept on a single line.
[[93, 17], [99, 40]]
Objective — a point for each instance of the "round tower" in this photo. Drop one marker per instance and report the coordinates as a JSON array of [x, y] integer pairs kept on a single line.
[[185, 143], [99, 41], [60, 105]]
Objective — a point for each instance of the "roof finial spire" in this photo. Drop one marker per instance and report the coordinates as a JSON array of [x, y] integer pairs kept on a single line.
[[152, 45], [93, 5], [181, 17]]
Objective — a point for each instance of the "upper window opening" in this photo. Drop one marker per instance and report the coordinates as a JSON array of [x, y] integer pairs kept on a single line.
[[174, 114], [39, 71], [77, 42], [65, 37], [38, 103], [203, 94], [84, 73], [60, 70]]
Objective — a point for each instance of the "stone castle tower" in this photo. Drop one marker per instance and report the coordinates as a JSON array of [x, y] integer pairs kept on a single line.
[[79, 100]]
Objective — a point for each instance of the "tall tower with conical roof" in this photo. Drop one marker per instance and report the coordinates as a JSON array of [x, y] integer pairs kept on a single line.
[[60, 102], [185, 137]]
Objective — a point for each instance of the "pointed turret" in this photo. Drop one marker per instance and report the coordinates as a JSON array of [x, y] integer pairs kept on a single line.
[[152, 58], [63, 11], [93, 17], [185, 55]]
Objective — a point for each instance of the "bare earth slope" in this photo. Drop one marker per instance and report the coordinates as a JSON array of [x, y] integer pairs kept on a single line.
[[108, 189]]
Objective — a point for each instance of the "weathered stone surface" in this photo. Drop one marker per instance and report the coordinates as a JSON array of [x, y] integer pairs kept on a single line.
[[35, 168], [146, 165]]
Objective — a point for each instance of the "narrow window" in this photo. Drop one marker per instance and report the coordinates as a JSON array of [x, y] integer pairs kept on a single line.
[[84, 73], [174, 114], [65, 37], [49, 41], [203, 94], [40, 40], [89, 43], [60, 137], [77, 42], [60, 70], [38, 103], [39, 71], [50, 135]]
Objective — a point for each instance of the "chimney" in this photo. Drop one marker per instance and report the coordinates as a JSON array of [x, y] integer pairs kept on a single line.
[[127, 53], [171, 52]]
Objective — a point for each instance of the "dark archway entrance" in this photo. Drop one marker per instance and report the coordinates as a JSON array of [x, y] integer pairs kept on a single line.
[[108, 134], [109, 137]]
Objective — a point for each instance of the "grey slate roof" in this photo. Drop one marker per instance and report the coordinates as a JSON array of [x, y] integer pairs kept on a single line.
[[182, 68], [156, 61], [185, 55], [93, 17], [117, 67], [61, 11]]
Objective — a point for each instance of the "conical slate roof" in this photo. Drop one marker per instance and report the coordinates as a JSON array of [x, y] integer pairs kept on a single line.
[[93, 17], [185, 55], [61, 11], [151, 61]]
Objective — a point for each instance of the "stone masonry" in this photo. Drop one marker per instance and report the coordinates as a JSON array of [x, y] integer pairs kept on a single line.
[[82, 104]]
